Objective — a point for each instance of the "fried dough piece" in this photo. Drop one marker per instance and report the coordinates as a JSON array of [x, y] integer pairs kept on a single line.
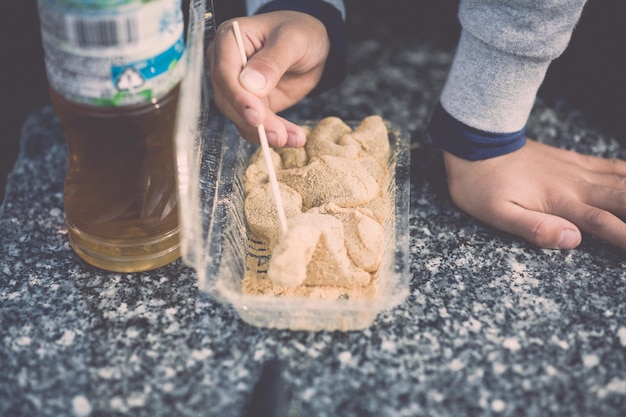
[[325, 139], [261, 214], [377, 209], [256, 173], [375, 169], [293, 157], [313, 252], [343, 181], [372, 137], [364, 237]]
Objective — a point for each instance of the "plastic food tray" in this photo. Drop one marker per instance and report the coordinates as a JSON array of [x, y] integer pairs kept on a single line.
[[212, 159]]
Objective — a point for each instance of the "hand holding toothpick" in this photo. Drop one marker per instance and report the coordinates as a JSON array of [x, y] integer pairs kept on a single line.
[[264, 146]]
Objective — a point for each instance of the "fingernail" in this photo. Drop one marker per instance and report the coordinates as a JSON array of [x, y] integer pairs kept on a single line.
[[272, 138], [253, 80], [251, 116], [569, 239], [293, 140]]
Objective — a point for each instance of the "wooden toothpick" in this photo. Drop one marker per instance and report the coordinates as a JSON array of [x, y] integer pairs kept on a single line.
[[278, 200]]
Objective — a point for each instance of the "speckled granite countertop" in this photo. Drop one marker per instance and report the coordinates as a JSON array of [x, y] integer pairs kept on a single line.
[[493, 326]]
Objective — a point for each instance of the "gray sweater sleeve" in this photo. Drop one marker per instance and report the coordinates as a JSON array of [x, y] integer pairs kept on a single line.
[[253, 5], [504, 51]]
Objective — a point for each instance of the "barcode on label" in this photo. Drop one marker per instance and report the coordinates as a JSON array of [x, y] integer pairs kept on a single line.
[[103, 33]]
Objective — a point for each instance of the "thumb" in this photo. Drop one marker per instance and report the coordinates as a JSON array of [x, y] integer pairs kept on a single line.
[[253, 81], [542, 229], [265, 68]]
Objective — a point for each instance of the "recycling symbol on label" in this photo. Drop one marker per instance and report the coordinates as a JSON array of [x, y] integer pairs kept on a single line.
[[129, 79]]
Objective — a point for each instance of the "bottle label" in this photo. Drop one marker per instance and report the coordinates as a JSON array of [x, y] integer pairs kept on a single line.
[[112, 52]]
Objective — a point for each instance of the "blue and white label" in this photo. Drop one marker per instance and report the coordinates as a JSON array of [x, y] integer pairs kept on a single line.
[[135, 74], [112, 56]]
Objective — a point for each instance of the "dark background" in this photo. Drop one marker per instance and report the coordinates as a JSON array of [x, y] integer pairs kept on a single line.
[[589, 75]]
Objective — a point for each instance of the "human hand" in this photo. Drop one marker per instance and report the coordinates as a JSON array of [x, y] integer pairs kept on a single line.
[[543, 194], [286, 53]]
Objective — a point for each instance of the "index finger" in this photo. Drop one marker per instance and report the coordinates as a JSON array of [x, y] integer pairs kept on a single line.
[[225, 66]]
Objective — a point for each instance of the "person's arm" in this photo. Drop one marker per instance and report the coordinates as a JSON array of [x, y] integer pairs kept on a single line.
[[502, 57], [253, 6], [543, 194]]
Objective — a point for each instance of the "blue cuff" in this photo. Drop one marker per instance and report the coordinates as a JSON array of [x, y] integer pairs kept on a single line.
[[337, 61], [469, 143]]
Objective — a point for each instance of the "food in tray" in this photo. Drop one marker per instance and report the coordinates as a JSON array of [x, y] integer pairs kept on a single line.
[[334, 192]]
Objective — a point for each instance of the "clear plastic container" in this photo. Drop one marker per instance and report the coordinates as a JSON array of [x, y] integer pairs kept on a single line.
[[212, 159]]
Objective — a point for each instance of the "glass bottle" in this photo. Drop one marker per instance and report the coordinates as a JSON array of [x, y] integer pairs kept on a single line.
[[114, 69]]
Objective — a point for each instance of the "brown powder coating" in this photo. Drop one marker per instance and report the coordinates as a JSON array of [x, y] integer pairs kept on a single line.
[[333, 191]]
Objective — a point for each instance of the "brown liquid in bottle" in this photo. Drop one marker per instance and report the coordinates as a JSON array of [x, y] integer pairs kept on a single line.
[[120, 190]]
